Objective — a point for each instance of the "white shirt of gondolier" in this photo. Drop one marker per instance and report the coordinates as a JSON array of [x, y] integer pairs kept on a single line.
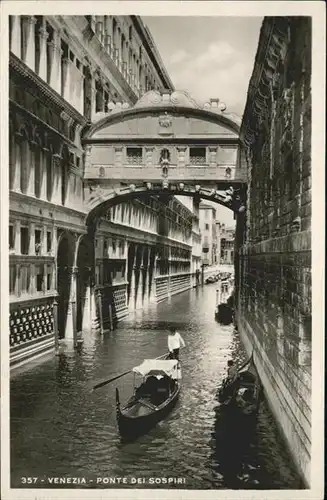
[[175, 341]]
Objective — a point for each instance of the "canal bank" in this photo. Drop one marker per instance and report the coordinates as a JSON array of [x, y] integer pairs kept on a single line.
[[59, 428]]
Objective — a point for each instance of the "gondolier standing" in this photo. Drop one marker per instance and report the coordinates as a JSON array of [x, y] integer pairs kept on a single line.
[[175, 342]]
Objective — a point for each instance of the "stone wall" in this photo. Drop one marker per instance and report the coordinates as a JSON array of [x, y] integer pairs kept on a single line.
[[274, 303]]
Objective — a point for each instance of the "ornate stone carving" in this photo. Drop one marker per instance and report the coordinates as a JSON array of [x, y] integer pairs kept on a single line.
[[165, 124]]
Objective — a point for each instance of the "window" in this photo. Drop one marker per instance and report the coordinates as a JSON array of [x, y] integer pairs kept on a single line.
[[37, 172], [25, 277], [12, 279], [114, 31], [134, 155], [63, 180], [49, 176], [49, 49], [49, 241], [49, 278], [197, 156], [39, 271], [37, 27], [37, 241], [64, 57], [130, 33], [24, 240], [121, 247], [22, 39], [11, 237], [24, 160], [113, 245], [206, 226], [99, 101]]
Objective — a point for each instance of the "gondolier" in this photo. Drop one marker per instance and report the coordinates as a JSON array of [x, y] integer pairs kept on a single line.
[[175, 342]]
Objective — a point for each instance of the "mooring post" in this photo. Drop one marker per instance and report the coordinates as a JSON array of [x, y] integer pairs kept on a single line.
[[73, 304], [55, 326], [99, 296]]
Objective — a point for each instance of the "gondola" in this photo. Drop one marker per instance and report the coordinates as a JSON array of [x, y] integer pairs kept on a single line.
[[243, 394], [224, 314], [152, 400]]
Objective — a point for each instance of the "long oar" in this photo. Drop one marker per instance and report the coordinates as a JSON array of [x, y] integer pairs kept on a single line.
[[107, 381]]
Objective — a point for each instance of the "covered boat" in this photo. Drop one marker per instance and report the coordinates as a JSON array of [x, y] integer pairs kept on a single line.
[[152, 399], [243, 393]]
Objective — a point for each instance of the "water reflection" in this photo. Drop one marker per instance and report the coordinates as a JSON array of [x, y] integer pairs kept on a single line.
[[60, 427]]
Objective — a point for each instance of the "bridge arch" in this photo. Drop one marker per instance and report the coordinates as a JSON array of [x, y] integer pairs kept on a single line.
[[103, 199]]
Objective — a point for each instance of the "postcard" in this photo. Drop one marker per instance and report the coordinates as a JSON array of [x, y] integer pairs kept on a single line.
[[162, 249]]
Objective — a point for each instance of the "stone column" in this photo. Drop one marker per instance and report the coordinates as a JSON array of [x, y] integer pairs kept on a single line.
[[29, 41], [70, 333], [132, 295], [43, 169], [31, 250], [43, 34], [15, 36], [44, 241], [139, 296], [55, 62], [93, 99], [64, 91], [152, 295], [31, 170], [146, 281], [33, 279], [56, 191], [18, 162], [17, 237]]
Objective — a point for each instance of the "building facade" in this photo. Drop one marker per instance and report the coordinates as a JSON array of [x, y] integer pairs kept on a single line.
[[209, 238], [65, 71], [274, 272], [226, 237]]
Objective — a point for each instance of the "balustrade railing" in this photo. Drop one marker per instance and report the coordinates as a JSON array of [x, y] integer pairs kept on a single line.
[[197, 160], [134, 160], [30, 323]]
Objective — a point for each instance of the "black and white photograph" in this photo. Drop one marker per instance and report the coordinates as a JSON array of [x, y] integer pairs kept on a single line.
[[162, 244]]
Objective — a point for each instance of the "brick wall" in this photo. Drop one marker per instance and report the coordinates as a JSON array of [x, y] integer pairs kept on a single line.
[[275, 260]]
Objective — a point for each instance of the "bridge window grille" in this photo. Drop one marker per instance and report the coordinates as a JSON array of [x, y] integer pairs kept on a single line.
[[197, 156], [134, 156]]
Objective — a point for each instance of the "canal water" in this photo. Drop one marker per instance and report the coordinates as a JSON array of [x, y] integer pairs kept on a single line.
[[60, 428]]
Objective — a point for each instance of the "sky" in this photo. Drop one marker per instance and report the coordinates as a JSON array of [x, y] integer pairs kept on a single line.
[[209, 57]]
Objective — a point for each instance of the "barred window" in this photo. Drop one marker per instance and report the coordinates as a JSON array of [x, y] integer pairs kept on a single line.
[[134, 155], [197, 156]]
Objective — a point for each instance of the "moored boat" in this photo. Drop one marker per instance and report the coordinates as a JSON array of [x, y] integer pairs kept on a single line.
[[243, 393], [152, 400]]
